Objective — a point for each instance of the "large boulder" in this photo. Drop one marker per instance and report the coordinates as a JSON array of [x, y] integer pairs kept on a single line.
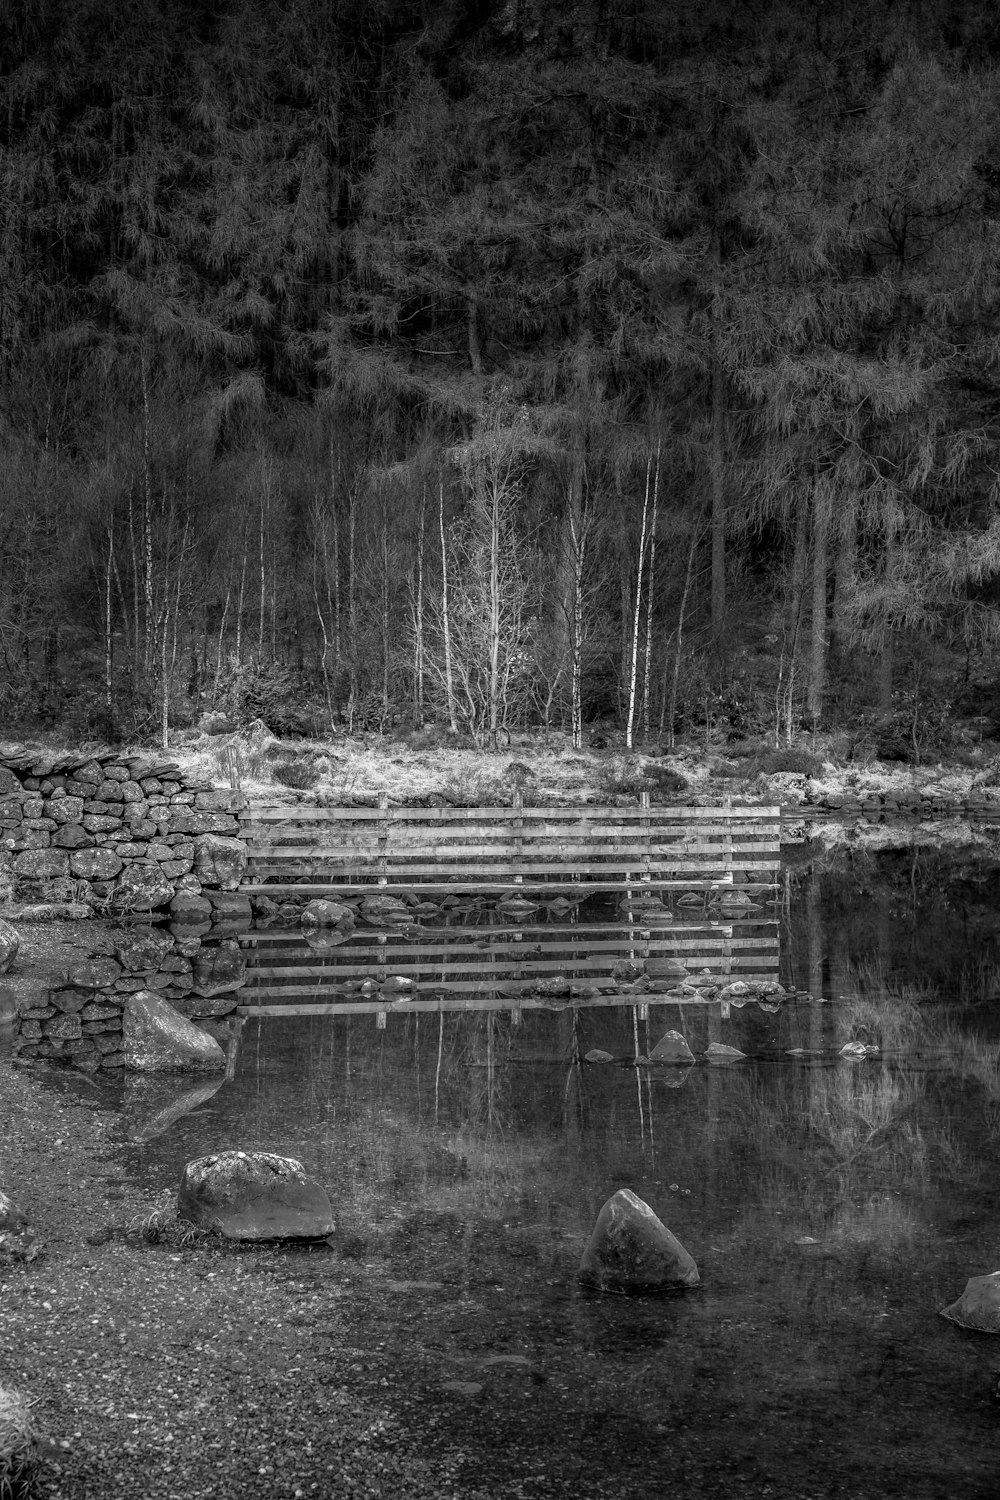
[[630, 1250], [142, 888], [9, 944], [220, 862], [979, 1305], [254, 1196], [155, 1039]]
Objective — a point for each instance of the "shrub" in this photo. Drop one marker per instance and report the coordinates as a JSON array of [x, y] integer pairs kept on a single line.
[[791, 758], [300, 772], [621, 777]]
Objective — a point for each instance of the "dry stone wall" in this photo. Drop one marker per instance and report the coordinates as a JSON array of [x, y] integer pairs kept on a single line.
[[131, 838], [79, 1020], [117, 834]]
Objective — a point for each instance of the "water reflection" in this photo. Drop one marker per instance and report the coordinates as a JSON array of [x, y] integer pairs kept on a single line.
[[833, 1206]]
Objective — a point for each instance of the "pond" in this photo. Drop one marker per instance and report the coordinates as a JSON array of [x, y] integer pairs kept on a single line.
[[834, 1206]]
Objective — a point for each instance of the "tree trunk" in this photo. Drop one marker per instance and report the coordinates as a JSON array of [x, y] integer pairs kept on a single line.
[[793, 621], [689, 574], [885, 665], [636, 613], [449, 681], [649, 599], [817, 653], [717, 462], [578, 540], [495, 605]]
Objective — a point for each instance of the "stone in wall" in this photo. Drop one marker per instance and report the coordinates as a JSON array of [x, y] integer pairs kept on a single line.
[[220, 862], [143, 888]]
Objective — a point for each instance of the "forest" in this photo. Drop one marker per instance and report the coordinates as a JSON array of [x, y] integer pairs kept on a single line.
[[499, 364]]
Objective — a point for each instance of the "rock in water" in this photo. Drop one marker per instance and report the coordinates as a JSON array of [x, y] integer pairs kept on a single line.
[[9, 944], [671, 1048], [324, 913], [630, 1250], [254, 1196], [156, 1039], [718, 1052], [979, 1305]]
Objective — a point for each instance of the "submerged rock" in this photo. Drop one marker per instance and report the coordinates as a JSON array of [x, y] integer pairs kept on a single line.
[[979, 1305], [254, 1196], [598, 1055], [631, 1250], [156, 1039]]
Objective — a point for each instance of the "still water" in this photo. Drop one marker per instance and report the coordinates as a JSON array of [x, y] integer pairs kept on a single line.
[[833, 1206]]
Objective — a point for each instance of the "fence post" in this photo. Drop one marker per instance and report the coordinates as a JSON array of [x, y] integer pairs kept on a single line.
[[383, 839], [644, 836], [517, 828]]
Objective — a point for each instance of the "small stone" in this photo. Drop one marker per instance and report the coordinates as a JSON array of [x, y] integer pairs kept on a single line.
[[317, 913], [718, 1052], [72, 836], [671, 1048]]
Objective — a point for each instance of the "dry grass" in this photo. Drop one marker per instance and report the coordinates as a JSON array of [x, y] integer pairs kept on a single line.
[[346, 769], [17, 1445]]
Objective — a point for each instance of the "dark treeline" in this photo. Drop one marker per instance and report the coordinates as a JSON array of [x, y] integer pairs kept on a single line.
[[370, 362]]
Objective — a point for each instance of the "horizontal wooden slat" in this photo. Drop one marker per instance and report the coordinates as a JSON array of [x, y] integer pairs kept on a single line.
[[473, 887], [496, 835], [423, 1007], [656, 813], [528, 849], [545, 933]]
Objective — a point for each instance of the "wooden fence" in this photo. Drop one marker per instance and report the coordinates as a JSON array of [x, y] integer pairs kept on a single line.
[[710, 867], [321, 850]]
